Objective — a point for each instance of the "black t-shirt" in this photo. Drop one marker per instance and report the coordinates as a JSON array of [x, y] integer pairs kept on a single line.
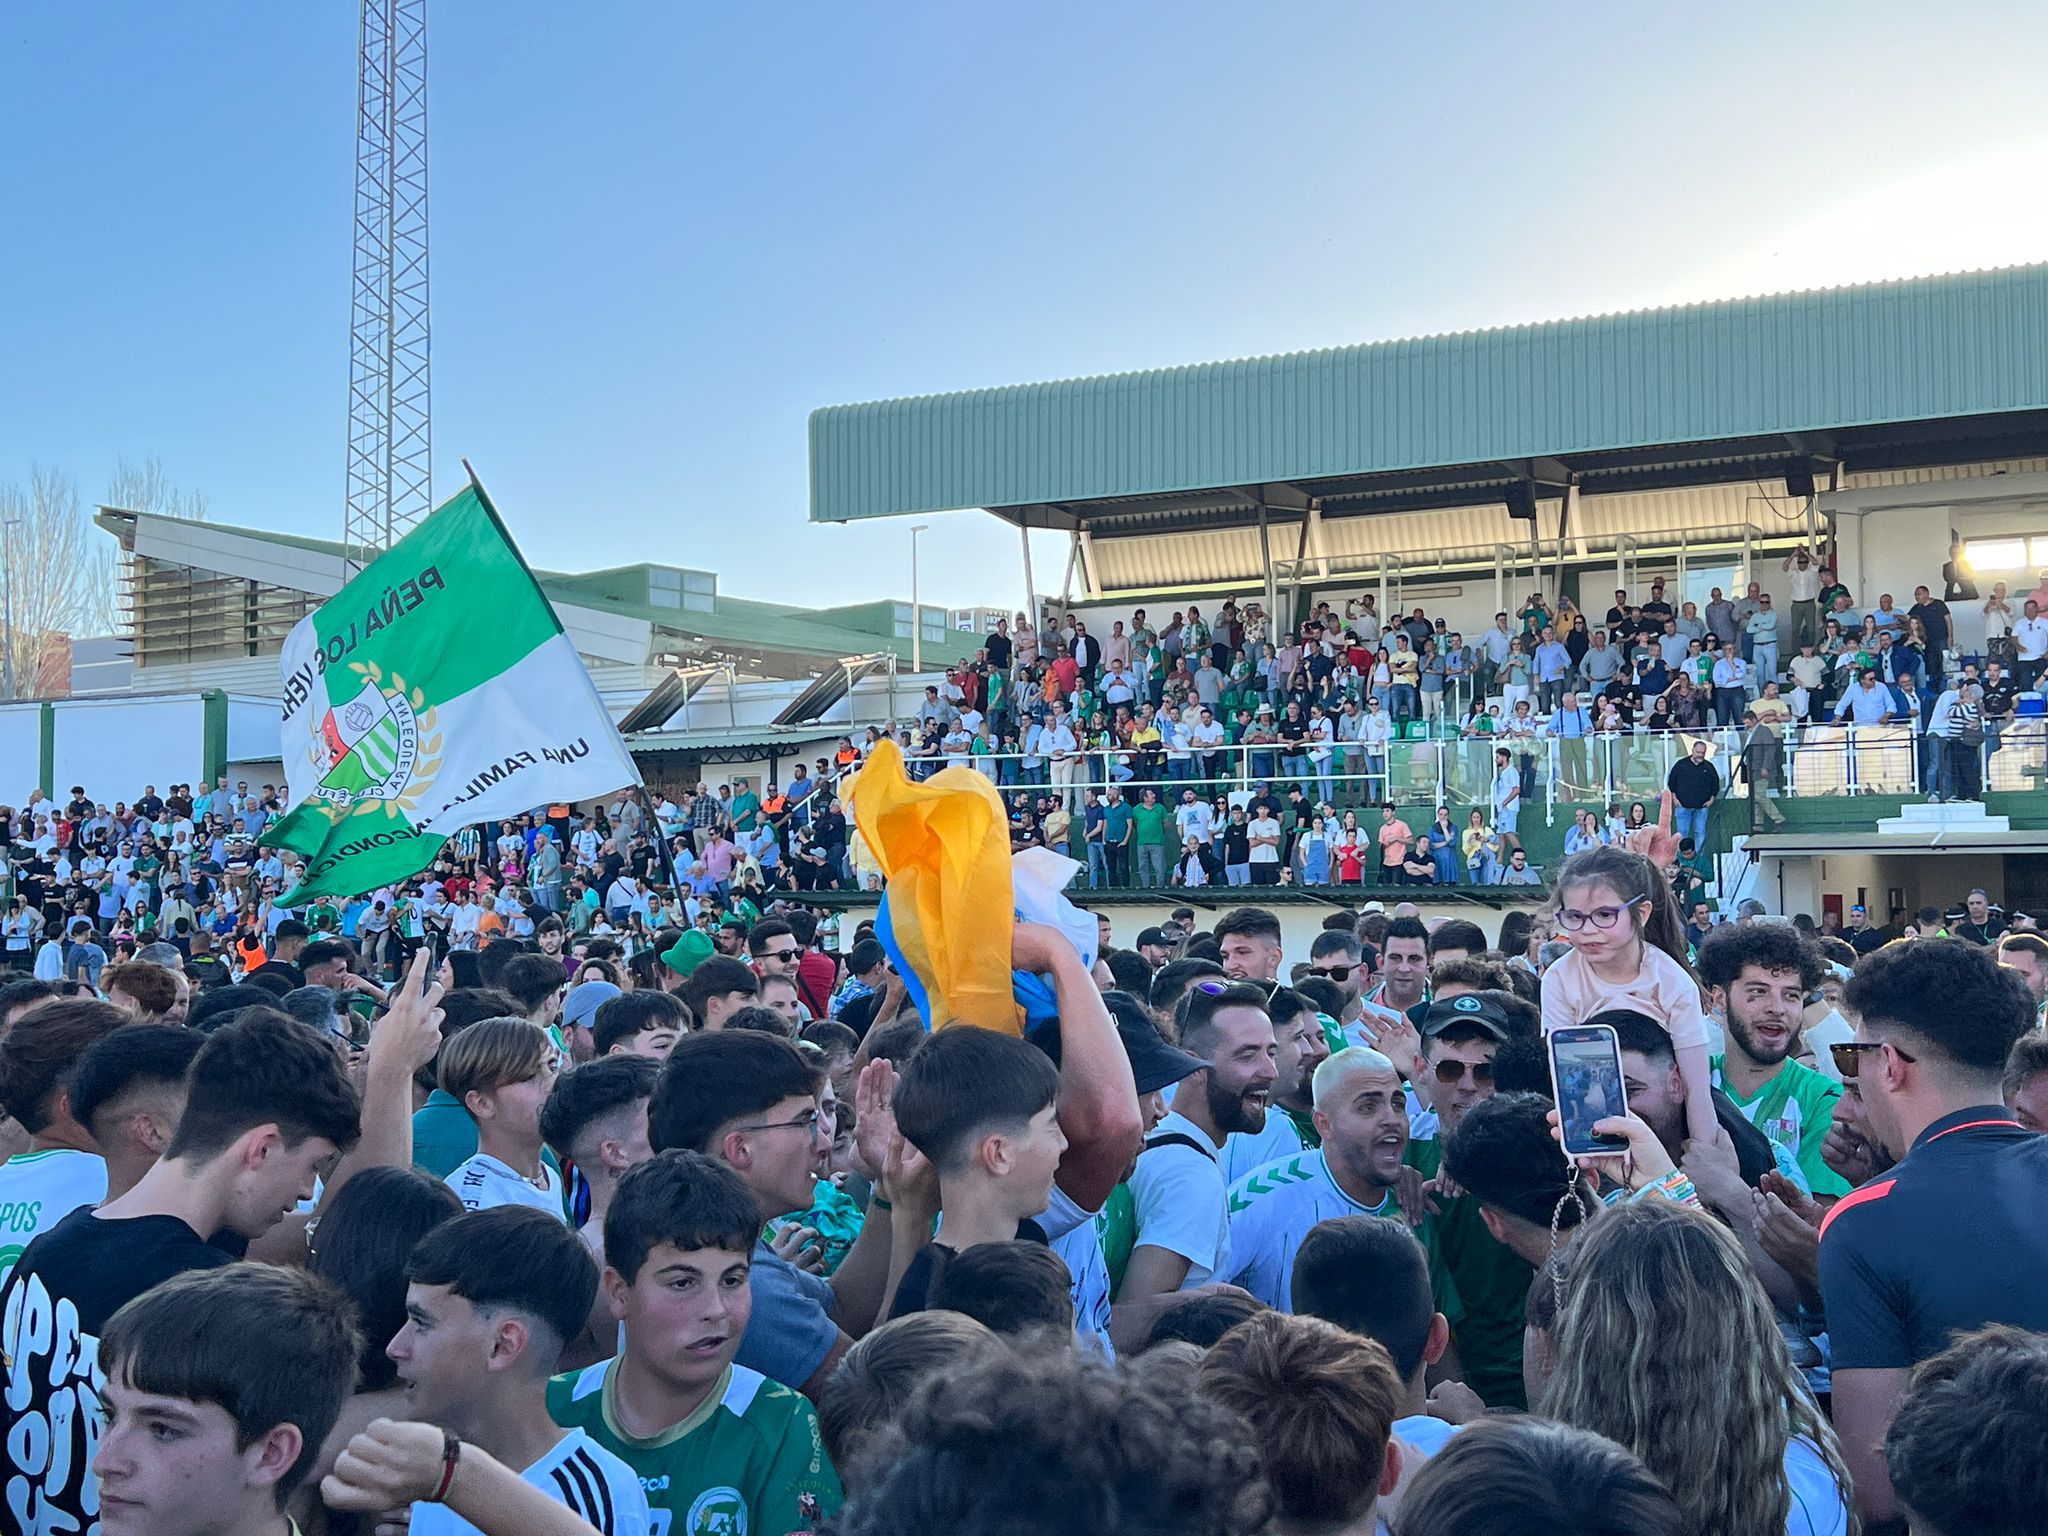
[[1933, 617], [284, 968], [1950, 1239], [1293, 730], [57, 1302], [1237, 843], [998, 648], [1658, 610], [928, 1266], [2000, 698], [148, 806]]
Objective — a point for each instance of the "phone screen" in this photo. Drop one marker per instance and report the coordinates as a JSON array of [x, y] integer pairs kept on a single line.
[[1585, 1068]]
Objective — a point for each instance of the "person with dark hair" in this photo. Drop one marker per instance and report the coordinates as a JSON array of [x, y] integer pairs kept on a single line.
[[1129, 970], [1759, 975], [128, 1091], [717, 1446], [1178, 1191], [1370, 1275], [1250, 940], [1299, 1047], [1170, 983], [1009, 1287], [868, 1391], [286, 942], [219, 1392], [1964, 1453], [983, 1108], [491, 1299], [751, 1100], [715, 987], [62, 1170], [1050, 1441], [360, 1246], [1536, 1478], [1456, 939], [761, 1019], [269, 1107], [536, 982], [2025, 953], [596, 1118], [2024, 1083], [1460, 1038], [1321, 1404], [1936, 1021], [1337, 958], [1202, 1318]]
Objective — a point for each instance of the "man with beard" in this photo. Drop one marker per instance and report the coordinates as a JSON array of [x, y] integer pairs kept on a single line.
[[1249, 942], [1299, 1048], [1459, 1038], [1363, 1121], [1760, 974], [1182, 1238]]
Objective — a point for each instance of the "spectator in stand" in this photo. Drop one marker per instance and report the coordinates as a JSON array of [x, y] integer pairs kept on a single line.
[[1695, 784]]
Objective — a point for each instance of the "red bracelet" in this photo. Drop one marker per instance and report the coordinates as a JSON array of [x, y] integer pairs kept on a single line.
[[451, 1452]]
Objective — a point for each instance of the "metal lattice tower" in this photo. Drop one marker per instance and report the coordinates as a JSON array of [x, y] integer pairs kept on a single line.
[[390, 446]]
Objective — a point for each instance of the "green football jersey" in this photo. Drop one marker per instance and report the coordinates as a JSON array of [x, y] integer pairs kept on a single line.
[[748, 1462], [1795, 1108]]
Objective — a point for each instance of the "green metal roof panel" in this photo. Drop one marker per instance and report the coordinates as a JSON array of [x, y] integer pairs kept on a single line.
[[1919, 349]]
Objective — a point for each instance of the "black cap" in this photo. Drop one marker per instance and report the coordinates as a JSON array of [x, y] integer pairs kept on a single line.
[[1157, 936], [1154, 1063], [1469, 1008]]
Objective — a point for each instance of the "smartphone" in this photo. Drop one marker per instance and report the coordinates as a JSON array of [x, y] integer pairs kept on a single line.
[[1585, 1074]]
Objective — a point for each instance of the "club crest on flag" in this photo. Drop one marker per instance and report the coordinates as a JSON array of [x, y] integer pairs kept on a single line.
[[380, 746]]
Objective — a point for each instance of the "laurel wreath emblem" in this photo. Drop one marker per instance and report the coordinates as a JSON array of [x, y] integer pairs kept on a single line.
[[427, 759]]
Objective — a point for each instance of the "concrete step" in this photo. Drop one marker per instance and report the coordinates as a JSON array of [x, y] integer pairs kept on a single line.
[[1919, 820]]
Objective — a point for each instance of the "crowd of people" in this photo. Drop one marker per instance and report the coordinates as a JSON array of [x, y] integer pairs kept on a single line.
[[1246, 1236]]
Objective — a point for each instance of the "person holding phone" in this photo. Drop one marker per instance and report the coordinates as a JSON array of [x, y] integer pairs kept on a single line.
[[1628, 951]]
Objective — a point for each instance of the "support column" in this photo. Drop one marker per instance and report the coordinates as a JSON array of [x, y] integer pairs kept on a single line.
[[1266, 564], [1030, 595]]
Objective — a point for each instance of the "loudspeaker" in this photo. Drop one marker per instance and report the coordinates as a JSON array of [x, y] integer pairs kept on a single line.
[[1521, 500], [1799, 482]]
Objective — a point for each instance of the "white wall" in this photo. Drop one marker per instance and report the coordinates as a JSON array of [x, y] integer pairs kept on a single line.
[[114, 747], [21, 750]]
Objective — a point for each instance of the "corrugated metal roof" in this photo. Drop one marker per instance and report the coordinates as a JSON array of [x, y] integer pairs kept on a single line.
[[1919, 349]]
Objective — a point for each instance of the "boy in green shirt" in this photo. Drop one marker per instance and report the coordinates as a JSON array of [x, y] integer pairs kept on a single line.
[[717, 1447]]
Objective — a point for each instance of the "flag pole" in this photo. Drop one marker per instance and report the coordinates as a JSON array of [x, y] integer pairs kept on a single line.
[[639, 784]]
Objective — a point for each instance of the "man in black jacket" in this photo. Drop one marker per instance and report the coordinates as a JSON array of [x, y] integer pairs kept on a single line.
[[1693, 782]]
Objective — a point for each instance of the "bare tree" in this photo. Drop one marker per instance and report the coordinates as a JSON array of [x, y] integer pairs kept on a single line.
[[145, 487], [59, 582]]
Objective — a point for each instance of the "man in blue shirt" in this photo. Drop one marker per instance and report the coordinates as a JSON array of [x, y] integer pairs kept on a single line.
[[1571, 723], [1553, 666]]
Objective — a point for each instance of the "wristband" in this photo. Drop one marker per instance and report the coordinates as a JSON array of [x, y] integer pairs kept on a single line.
[[880, 1203], [451, 1452], [1673, 1186]]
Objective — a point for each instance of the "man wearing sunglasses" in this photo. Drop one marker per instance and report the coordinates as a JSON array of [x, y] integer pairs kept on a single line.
[[1952, 1237], [1459, 1038]]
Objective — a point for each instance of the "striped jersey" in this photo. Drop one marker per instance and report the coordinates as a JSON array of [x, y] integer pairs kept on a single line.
[[578, 1472], [749, 1462]]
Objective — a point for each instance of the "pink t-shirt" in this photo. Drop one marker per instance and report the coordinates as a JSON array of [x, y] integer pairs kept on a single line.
[[1572, 994], [1392, 835]]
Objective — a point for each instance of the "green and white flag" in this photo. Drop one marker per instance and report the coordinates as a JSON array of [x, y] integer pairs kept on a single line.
[[435, 690]]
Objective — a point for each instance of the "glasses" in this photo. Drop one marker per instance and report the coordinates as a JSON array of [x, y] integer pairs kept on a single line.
[[783, 955], [1334, 972], [1600, 917], [1451, 1073], [1848, 1054], [807, 1122]]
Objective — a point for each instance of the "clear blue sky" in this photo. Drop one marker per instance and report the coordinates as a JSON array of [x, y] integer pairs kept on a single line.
[[664, 232]]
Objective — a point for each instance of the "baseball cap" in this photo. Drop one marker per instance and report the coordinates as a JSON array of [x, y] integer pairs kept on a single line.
[[1155, 1063], [583, 1001], [1467, 1009], [688, 952], [1154, 936]]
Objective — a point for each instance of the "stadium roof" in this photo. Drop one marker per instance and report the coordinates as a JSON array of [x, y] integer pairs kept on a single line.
[[1873, 377], [775, 636]]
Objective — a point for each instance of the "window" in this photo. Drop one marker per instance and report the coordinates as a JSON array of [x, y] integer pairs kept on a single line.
[[665, 588], [2001, 554]]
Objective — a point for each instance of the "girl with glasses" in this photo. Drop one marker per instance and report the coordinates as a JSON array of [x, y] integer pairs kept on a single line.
[[1616, 911]]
